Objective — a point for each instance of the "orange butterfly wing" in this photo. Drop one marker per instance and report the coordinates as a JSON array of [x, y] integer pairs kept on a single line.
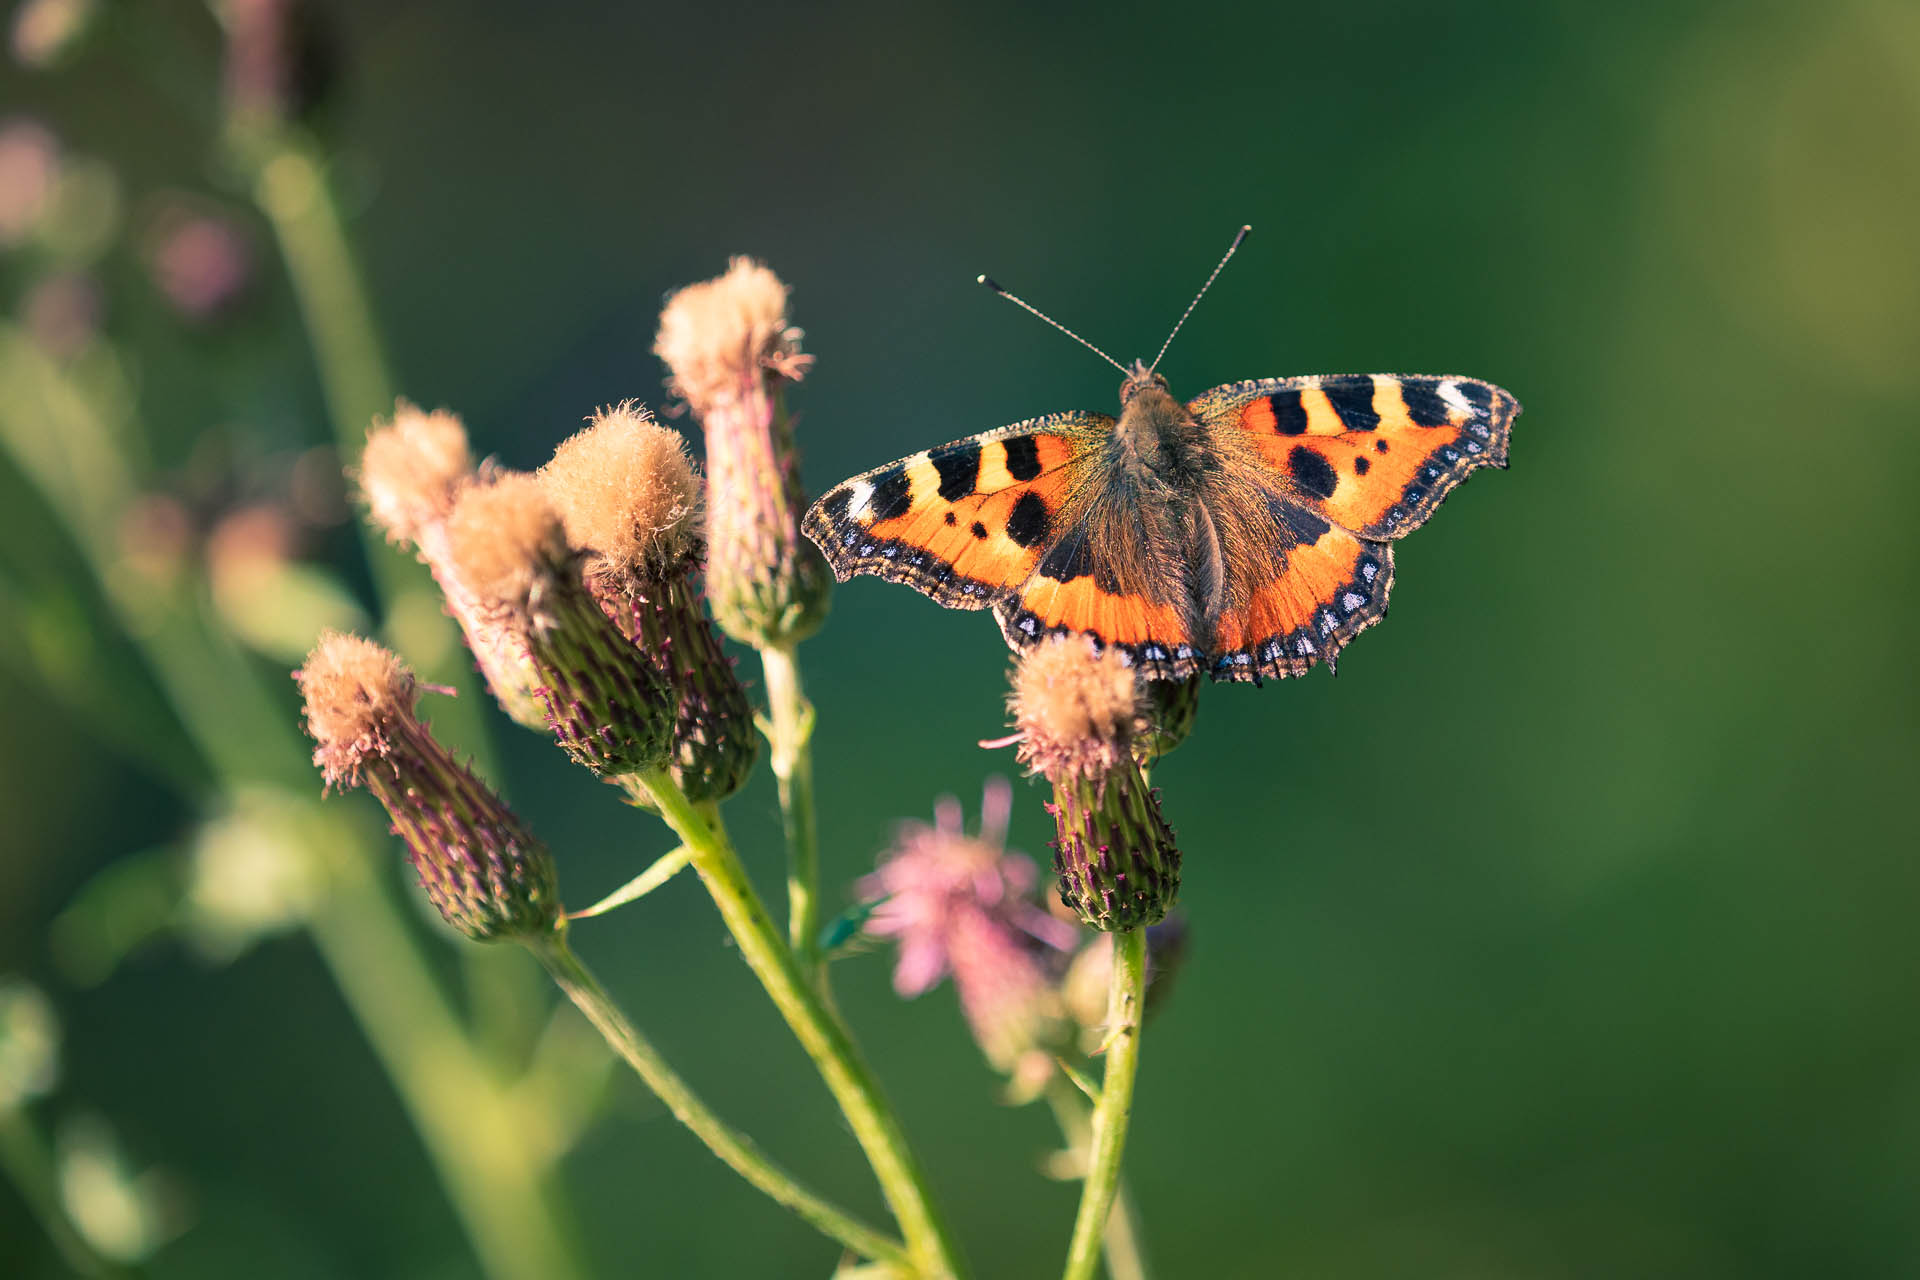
[[1373, 453], [1354, 461], [963, 523]]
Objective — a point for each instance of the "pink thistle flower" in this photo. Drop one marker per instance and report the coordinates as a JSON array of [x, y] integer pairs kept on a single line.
[[963, 905]]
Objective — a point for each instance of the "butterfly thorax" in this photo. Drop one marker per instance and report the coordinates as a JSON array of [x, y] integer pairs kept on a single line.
[[1156, 435]]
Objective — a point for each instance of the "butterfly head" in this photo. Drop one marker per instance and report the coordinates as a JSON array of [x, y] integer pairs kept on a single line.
[[1140, 378]]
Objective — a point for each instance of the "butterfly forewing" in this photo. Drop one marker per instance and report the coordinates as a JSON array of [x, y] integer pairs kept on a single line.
[[1373, 453], [964, 523]]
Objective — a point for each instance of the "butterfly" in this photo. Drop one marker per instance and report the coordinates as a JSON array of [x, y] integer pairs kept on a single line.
[[1247, 533]]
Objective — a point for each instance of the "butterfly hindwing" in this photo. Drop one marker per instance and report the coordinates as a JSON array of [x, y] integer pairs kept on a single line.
[[963, 523], [1324, 586], [1374, 453], [1076, 587]]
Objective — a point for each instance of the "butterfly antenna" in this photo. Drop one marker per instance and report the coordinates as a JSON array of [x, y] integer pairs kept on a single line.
[[1196, 297], [1029, 307]]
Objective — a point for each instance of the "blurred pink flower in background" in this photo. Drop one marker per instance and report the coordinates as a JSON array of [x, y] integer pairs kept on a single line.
[[962, 905]]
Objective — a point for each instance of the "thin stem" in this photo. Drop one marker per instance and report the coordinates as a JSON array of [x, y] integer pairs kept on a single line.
[[468, 1129], [291, 188], [819, 1032], [1110, 1116], [789, 733], [25, 1158], [243, 733], [736, 1150], [1125, 1254]]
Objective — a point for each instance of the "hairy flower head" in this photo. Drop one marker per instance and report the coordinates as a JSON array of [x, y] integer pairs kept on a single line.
[[1079, 713], [731, 351], [412, 468], [508, 552], [629, 499], [479, 865], [721, 335], [1075, 709]]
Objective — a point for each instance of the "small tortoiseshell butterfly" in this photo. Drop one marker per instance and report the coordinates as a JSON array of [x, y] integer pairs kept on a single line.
[[1247, 533]]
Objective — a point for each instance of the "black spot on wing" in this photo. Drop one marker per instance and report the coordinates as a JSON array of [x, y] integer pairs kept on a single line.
[[1352, 398], [959, 470], [979, 530], [1029, 524], [834, 505], [892, 495], [1313, 473], [1289, 415], [1360, 467], [1023, 457], [1424, 405], [1071, 558]]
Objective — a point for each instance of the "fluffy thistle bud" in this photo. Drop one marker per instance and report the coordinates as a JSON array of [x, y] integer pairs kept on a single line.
[[629, 499], [731, 351], [604, 703], [413, 468], [484, 871], [1078, 716]]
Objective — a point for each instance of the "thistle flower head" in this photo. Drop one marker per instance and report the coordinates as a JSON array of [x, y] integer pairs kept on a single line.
[[508, 546], [507, 552], [723, 335], [627, 493], [730, 349], [412, 469], [629, 499], [961, 905], [356, 694], [1075, 709], [479, 865], [1079, 714]]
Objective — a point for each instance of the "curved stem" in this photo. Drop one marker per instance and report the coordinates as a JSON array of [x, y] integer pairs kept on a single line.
[[471, 1137], [819, 1032], [1125, 1253], [736, 1150], [789, 734], [1115, 1108]]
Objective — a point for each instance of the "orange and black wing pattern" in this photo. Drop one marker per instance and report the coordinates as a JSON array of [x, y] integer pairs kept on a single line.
[[1374, 453], [1320, 587], [964, 523]]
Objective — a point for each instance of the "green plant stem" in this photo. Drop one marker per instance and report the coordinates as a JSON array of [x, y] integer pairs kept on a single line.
[[818, 1030], [1125, 1001], [25, 1158], [734, 1149], [1126, 1256], [246, 734], [467, 1127], [291, 187], [789, 733]]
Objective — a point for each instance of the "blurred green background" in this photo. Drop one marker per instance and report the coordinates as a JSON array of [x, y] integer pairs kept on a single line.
[[1568, 933]]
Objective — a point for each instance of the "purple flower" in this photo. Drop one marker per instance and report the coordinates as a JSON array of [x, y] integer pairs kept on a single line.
[[963, 905]]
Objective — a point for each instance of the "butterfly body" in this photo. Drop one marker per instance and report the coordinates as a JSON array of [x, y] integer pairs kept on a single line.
[[1245, 533]]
